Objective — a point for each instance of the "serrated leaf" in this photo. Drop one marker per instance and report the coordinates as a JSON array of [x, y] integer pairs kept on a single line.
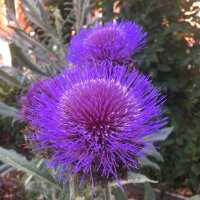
[[27, 177], [38, 15], [8, 170], [26, 60], [9, 79], [32, 17], [5, 169], [140, 178], [119, 194], [19, 162], [146, 162], [151, 151], [33, 13], [196, 197], [32, 41], [134, 178], [162, 135], [66, 192], [8, 111], [14, 72], [149, 193]]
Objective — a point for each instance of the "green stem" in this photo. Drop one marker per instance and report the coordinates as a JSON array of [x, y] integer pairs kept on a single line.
[[74, 188], [108, 192]]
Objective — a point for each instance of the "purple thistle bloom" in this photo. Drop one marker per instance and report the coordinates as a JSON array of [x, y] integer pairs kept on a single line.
[[28, 100], [114, 42], [93, 120]]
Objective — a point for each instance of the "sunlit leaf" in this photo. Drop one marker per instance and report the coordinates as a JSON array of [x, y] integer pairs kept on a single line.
[[162, 135], [134, 178], [16, 160]]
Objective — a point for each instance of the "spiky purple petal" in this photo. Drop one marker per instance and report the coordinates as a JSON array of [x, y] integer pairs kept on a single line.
[[114, 42]]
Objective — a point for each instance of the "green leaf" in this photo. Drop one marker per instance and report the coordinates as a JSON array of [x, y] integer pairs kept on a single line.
[[34, 43], [66, 193], [149, 193], [140, 178], [14, 72], [146, 162], [119, 194], [8, 111], [5, 169], [164, 133], [37, 14], [31, 40], [151, 150], [9, 79], [27, 177], [164, 68], [196, 197], [134, 178], [19, 162], [26, 60]]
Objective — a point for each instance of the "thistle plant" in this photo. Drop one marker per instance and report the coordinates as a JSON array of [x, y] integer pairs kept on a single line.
[[92, 120], [114, 42]]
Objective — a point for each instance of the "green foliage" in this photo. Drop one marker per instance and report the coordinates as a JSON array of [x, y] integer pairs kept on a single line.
[[174, 65], [8, 111], [149, 193], [11, 135], [39, 180], [119, 194], [196, 197], [37, 56], [40, 51], [16, 160], [171, 61]]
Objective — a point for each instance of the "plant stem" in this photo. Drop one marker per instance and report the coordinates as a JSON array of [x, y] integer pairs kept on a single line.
[[108, 192], [74, 188]]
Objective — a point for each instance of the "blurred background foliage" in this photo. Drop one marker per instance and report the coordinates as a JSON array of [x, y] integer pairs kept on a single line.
[[172, 58]]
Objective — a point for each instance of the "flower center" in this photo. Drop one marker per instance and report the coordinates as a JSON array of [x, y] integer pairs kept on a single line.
[[105, 35], [107, 43], [99, 106]]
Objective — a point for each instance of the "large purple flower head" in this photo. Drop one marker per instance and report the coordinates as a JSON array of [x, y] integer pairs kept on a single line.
[[93, 120], [114, 42]]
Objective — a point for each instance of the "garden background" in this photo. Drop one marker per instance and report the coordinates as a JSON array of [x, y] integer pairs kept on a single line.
[[38, 39]]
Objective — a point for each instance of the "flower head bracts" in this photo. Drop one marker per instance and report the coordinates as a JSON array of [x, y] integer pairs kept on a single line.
[[93, 120], [114, 42]]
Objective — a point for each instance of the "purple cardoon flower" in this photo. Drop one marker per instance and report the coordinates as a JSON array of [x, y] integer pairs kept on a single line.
[[28, 101], [93, 120], [113, 42]]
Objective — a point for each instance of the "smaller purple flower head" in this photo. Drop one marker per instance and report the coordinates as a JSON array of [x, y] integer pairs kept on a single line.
[[114, 42], [94, 120]]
